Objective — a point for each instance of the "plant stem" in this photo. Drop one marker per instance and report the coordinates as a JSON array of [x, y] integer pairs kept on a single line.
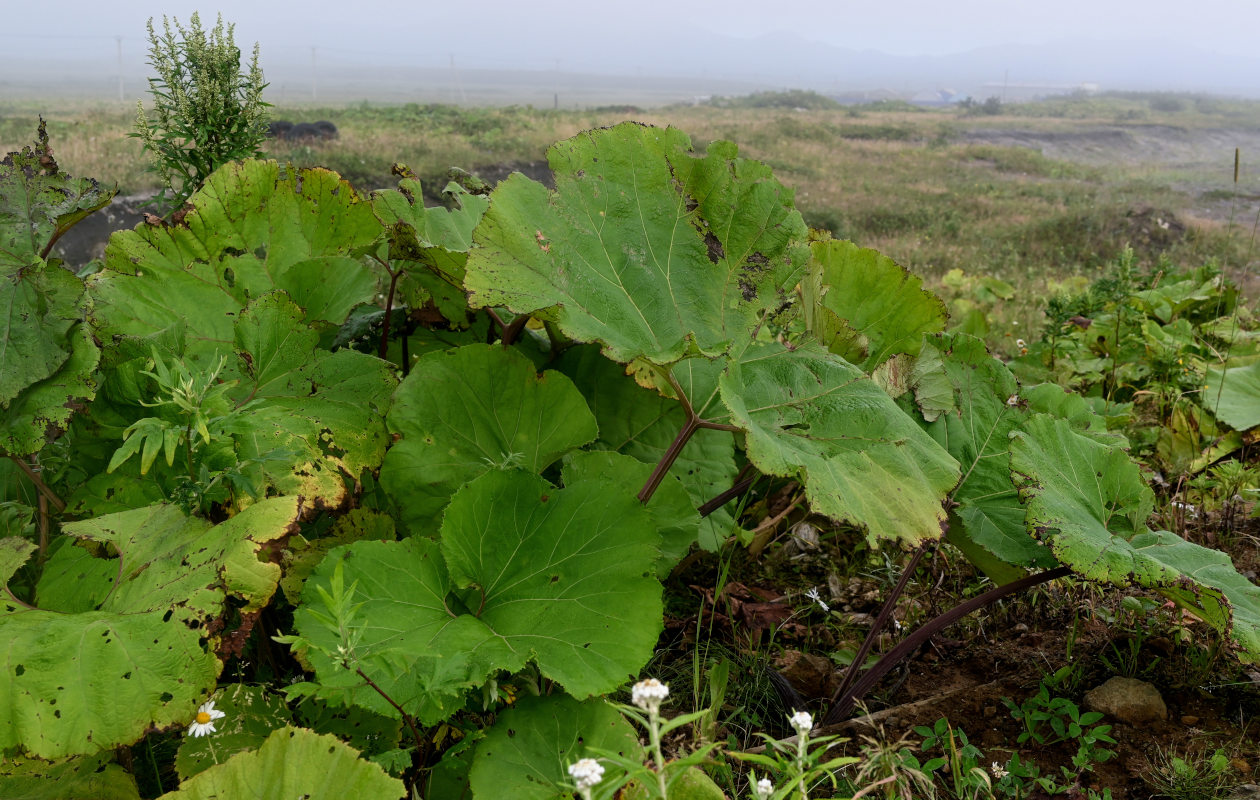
[[33, 475], [743, 481], [671, 455], [383, 347], [844, 704], [654, 731], [407, 718], [885, 612]]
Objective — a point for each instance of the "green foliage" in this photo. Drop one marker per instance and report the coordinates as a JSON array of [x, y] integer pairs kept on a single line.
[[1190, 776], [525, 753], [293, 762], [207, 112], [47, 355]]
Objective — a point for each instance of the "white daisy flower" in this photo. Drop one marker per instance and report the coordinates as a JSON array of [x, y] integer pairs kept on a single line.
[[203, 724], [802, 722], [649, 694], [586, 773]]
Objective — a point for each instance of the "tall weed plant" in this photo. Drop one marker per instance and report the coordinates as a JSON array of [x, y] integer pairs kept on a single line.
[[207, 111]]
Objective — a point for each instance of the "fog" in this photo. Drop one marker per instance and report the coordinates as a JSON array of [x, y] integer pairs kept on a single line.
[[649, 51]]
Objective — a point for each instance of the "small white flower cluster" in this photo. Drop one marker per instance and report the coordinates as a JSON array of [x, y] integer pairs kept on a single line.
[[203, 724], [802, 722], [649, 694], [812, 594], [1188, 509], [586, 773], [998, 771], [763, 788]]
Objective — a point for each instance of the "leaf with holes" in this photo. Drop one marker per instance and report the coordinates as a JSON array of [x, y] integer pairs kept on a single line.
[[254, 228], [645, 246], [108, 667]]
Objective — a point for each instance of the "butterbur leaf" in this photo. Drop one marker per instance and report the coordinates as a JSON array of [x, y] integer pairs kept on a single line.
[[672, 511], [135, 658], [1086, 499], [463, 412], [96, 777], [430, 244], [810, 414], [39, 202], [984, 410], [864, 306], [293, 762], [644, 246], [525, 754], [254, 229], [46, 353], [525, 571], [1233, 395]]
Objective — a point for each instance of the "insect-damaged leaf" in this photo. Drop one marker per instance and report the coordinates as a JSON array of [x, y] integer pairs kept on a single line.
[[254, 229], [293, 762], [644, 246], [82, 682]]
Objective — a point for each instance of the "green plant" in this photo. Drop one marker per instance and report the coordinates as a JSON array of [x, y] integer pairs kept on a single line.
[[206, 110], [960, 760], [800, 766], [1190, 775]]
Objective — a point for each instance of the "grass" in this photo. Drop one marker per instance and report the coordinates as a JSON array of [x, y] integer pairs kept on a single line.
[[903, 180]]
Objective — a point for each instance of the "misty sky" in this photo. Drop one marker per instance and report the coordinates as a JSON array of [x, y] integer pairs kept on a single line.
[[911, 46], [541, 30]]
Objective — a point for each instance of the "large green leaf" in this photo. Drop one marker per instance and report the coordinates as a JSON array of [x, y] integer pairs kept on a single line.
[[525, 571], [293, 762], [106, 669], [46, 354], [1086, 499], [988, 520], [526, 754], [325, 409], [1233, 395], [463, 412], [254, 228], [864, 306], [95, 777], [672, 511], [644, 246], [812, 415]]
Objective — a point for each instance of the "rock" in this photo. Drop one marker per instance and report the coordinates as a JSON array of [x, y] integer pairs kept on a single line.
[[1248, 791], [809, 674], [1241, 766], [1127, 700], [1189, 720]]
